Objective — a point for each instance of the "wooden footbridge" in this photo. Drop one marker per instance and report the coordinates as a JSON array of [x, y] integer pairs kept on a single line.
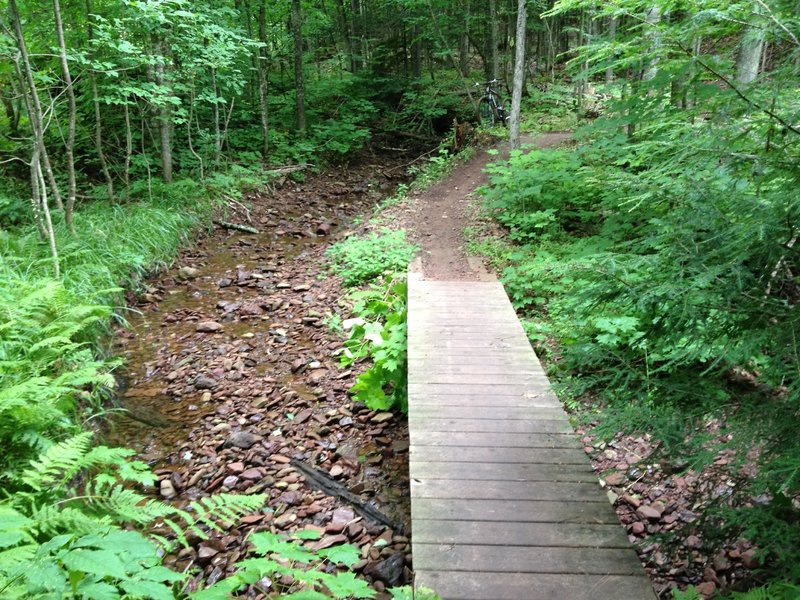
[[504, 504]]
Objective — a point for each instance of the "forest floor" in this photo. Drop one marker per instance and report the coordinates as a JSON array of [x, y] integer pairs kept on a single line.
[[232, 377]]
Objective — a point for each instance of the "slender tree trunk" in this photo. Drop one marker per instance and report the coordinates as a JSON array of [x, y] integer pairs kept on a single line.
[[215, 109], [35, 113], [344, 26], [463, 48], [70, 148], [356, 35], [126, 174], [299, 84], [98, 136], [519, 72], [98, 121], [164, 115], [494, 65], [51, 236], [652, 19], [612, 33], [263, 80], [36, 200], [748, 59], [416, 53]]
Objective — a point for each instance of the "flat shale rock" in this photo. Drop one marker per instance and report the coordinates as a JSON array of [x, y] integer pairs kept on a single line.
[[208, 327]]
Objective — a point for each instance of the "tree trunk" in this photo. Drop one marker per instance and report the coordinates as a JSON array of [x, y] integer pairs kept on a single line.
[[493, 30], [70, 147], [355, 30], [652, 18], [416, 53], [51, 236], [463, 48], [35, 113], [519, 72], [98, 121], [164, 116], [612, 33], [748, 59], [299, 84], [126, 173], [263, 81], [215, 112]]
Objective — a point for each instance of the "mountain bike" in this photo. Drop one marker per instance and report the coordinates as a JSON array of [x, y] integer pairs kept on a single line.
[[490, 106]]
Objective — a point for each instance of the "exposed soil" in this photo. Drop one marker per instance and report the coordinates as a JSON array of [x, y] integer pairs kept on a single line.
[[232, 375], [437, 217]]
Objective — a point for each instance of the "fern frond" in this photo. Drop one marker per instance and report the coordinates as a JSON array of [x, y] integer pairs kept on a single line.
[[51, 520], [59, 464], [226, 507]]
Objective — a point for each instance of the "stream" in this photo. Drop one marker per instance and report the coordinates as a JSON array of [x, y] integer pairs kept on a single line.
[[230, 375]]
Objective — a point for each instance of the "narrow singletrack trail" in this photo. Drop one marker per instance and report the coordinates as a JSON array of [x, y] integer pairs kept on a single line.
[[440, 214]]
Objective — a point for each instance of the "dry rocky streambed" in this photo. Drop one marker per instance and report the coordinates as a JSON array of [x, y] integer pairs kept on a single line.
[[232, 384]]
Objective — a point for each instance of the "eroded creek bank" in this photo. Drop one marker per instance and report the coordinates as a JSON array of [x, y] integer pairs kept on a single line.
[[231, 375]]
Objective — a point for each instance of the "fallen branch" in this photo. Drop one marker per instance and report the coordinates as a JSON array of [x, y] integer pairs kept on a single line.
[[287, 169], [236, 226], [408, 164], [322, 481]]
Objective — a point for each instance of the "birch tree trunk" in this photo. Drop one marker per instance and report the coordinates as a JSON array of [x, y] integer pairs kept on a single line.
[[98, 121], [70, 146], [519, 72], [299, 83], [652, 19], [612, 33], [748, 59], [35, 113]]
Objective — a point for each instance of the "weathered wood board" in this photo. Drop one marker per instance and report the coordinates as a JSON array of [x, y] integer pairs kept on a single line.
[[504, 504]]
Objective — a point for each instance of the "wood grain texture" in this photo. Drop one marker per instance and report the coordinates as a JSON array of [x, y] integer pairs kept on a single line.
[[504, 503]]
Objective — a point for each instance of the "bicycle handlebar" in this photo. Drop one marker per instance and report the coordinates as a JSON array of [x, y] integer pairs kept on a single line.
[[495, 80]]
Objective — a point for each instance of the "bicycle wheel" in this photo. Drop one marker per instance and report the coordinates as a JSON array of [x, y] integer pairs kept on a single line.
[[486, 111]]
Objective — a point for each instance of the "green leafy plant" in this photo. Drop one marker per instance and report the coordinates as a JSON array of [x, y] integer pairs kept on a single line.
[[62, 533], [358, 260], [379, 332], [281, 558]]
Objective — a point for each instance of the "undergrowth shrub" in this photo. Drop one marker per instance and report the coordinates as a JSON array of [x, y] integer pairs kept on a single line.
[[380, 332], [358, 260]]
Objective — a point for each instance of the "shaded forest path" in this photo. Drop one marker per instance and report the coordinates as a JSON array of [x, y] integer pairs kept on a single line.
[[504, 503], [439, 215]]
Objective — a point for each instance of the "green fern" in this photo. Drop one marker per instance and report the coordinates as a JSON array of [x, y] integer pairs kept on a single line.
[[59, 464], [61, 534]]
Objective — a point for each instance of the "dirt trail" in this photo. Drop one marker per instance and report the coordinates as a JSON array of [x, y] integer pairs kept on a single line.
[[439, 215]]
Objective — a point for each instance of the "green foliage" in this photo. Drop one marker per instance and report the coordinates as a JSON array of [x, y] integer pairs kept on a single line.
[[49, 370], [772, 591], [358, 260], [62, 533], [308, 571], [660, 257], [408, 593], [379, 332]]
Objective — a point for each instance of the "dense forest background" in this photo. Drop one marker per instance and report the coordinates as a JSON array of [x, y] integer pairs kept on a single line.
[[656, 262]]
